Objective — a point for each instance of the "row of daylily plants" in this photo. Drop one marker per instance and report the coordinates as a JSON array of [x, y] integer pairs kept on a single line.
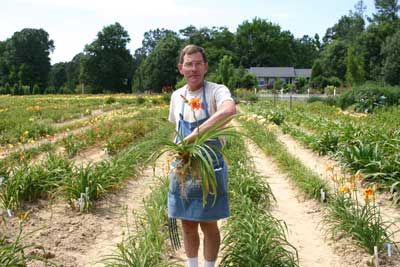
[[110, 133], [366, 143], [347, 215], [79, 186], [252, 236], [26, 182], [24, 119]]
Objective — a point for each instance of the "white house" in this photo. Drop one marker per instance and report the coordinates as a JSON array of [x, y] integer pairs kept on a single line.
[[267, 75]]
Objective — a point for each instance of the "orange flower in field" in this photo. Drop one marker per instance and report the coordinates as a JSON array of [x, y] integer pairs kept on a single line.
[[368, 193], [194, 103], [344, 189]]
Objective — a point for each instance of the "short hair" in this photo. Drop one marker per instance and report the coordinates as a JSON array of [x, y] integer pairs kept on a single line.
[[192, 49]]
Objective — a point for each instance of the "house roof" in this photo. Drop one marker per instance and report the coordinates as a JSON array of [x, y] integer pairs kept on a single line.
[[303, 73], [280, 72]]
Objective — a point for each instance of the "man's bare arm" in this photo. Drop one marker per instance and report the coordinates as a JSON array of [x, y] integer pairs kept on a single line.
[[220, 118]]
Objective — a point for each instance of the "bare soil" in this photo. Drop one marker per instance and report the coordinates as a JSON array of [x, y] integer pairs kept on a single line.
[[71, 239]]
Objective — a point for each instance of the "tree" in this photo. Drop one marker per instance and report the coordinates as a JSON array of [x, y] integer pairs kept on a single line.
[[73, 71], [3, 66], [354, 67], [360, 8], [26, 57], [370, 44], [386, 11], [192, 35], [159, 68], [347, 28], [151, 38], [391, 64], [226, 71], [107, 63], [316, 69], [261, 43], [333, 59], [305, 52], [220, 44], [58, 75]]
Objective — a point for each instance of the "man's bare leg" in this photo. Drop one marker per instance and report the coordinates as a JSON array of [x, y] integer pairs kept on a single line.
[[191, 240], [212, 240]]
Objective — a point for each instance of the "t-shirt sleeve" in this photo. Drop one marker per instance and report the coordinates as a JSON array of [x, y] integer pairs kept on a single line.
[[222, 94], [171, 116]]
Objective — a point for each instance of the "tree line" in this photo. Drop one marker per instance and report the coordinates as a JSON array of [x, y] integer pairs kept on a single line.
[[349, 53]]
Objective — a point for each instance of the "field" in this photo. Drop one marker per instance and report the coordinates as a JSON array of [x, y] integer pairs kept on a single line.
[[310, 185]]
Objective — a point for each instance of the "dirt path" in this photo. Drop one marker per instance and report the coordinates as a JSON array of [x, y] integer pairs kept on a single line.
[[302, 217], [318, 164], [71, 239], [114, 226]]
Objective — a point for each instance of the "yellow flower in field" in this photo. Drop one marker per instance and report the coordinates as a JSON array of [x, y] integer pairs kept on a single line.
[[10, 145], [343, 189], [368, 193], [26, 132], [31, 141], [31, 119], [328, 168]]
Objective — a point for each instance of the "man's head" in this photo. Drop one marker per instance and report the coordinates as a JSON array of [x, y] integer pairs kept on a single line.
[[192, 49], [193, 66]]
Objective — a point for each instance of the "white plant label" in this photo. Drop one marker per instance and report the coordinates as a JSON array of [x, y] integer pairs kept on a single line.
[[323, 196], [9, 212], [376, 256]]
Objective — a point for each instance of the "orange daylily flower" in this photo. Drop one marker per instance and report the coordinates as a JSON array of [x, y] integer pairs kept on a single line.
[[368, 193], [344, 189], [195, 103]]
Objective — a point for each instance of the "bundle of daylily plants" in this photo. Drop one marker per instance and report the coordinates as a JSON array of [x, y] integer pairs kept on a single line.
[[194, 159]]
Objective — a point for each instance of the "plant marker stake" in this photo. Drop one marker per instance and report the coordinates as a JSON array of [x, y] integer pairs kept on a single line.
[[376, 256], [81, 203], [323, 195], [389, 249], [9, 212]]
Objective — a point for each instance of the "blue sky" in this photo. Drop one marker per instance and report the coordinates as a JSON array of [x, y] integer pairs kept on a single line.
[[74, 23]]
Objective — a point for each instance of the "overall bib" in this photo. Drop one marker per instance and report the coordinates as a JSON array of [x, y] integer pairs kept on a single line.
[[190, 206]]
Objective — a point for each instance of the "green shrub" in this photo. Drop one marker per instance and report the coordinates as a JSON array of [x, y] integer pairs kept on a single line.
[[110, 100]]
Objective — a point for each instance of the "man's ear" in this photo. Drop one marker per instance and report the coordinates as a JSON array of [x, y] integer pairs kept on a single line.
[[180, 66]]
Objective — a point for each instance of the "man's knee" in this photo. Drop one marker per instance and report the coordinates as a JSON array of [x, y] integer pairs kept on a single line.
[[208, 227], [190, 226]]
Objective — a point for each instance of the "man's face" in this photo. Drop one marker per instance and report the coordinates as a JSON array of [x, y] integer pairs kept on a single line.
[[193, 69]]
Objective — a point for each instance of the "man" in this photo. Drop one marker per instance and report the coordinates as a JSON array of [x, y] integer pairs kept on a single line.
[[217, 108]]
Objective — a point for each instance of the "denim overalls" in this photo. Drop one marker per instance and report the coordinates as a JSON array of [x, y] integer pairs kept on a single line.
[[190, 207]]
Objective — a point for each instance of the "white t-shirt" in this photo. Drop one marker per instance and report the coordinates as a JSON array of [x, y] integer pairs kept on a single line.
[[216, 94]]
